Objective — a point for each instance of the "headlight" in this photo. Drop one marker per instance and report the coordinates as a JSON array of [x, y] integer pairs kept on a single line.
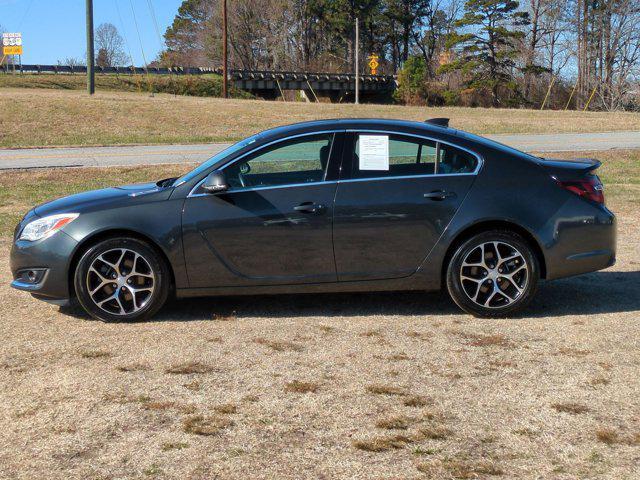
[[47, 226]]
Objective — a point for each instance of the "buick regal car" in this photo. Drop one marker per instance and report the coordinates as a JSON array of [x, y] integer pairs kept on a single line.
[[325, 206]]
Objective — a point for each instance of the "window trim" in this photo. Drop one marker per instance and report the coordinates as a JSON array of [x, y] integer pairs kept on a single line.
[[346, 180], [261, 147], [421, 137]]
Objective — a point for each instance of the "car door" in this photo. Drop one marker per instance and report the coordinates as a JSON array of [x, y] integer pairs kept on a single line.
[[388, 217], [273, 225]]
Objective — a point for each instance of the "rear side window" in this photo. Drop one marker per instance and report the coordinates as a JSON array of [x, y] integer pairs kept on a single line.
[[410, 156], [454, 160], [407, 156]]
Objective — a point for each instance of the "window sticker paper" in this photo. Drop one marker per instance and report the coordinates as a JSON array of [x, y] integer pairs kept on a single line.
[[373, 152]]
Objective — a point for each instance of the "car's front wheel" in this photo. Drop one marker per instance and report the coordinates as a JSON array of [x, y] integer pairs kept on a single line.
[[121, 279], [493, 274]]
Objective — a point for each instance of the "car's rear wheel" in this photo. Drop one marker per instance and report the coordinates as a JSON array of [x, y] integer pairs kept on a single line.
[[493, 274], [121, 279]]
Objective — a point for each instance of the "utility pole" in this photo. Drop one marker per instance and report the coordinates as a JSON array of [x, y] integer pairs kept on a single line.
[[225, 93], [91, 86], [357, 61]]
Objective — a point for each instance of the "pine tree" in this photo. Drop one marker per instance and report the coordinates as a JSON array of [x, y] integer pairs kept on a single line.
[[486, 55]]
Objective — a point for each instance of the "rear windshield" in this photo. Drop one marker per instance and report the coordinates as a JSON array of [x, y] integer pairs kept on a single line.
[[497, 145]]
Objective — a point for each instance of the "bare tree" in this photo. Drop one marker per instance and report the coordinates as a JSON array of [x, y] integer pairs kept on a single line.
[[110, 45], [72, 62], [6, 60]]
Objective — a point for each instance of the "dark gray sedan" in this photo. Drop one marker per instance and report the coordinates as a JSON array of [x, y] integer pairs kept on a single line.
[[325, 206]]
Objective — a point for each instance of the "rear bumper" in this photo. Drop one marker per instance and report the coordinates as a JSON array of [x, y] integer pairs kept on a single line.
[[49, 260], [582, 242]]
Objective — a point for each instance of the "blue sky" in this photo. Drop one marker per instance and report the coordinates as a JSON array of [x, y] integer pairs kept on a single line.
[[53, 30]]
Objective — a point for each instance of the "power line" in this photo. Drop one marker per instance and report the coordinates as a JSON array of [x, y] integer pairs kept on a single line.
[[26, 12], [135, 21], [126, 42], [155, 22]]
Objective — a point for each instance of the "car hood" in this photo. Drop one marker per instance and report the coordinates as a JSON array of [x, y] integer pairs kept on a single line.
[[113, 197]]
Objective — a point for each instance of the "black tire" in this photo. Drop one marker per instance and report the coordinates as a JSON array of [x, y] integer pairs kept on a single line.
[[490, 285], [155, 274]]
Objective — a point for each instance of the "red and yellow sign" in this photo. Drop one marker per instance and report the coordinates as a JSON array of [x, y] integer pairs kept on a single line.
[[373, 64], [12, 50]]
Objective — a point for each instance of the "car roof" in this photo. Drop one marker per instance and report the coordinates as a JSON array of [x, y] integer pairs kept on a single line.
[[407, 126], [356, 123]]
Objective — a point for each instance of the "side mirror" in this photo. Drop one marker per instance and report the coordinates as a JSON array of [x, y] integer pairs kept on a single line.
[[216, 182]]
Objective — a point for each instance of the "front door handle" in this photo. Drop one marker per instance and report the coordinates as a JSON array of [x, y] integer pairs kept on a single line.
[[439, 195], [310, 207]]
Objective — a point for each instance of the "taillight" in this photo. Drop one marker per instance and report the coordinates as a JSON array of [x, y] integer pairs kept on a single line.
[[590, 188]]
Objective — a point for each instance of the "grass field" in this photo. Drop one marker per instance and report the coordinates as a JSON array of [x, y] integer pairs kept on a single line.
[[42, 117], [195, 85], [359, 386]]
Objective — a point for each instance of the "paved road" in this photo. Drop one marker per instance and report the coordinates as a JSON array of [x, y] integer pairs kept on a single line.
[[149, 155]]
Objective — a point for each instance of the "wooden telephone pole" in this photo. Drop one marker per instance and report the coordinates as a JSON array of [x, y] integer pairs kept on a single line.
[[225, 93], [91, 85], [357, 61]]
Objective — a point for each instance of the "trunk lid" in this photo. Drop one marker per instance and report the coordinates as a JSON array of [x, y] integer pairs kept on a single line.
[[570, 169], [577, 177]]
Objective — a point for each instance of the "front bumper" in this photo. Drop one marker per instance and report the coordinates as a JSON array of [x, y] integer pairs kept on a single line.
[[48, 260]]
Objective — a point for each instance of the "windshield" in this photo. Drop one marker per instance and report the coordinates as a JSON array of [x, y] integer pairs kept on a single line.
[[215, 159]]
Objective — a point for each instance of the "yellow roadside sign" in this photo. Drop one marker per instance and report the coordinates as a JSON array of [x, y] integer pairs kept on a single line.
[[373, 64], [12, 50]]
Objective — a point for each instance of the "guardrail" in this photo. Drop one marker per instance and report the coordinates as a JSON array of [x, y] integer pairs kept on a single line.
[[234, 74]]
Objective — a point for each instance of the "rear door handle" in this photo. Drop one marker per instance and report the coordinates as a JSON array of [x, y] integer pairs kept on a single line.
[[439, 195], [310, 207]]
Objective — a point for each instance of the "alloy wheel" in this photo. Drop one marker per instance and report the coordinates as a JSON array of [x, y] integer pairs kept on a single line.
[[120, 281], [494, 274]]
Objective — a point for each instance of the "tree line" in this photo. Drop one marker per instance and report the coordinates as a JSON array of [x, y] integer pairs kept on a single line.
[[502, 53]]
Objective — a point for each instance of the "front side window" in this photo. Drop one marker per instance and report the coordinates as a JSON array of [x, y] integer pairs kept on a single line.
[[300, 160], [388, 155]]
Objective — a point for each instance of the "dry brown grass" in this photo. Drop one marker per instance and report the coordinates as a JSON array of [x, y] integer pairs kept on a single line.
[[395, 422], [482, 340], [297, 386], [386, 390], [327, 328], [417, 401], [608, 436], [599, 381], [419, 335], [611, 436], [280, 345], [133, 367], [397, 357], [168, 446], [501, 364], [49, 117], [570, 407], [79, 418], [384, 443], [206, 426], [435, 432], [95, 354], [194, 386], [460, 469], [573, 352], [188, 368], [226, 408], [168, 405]]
